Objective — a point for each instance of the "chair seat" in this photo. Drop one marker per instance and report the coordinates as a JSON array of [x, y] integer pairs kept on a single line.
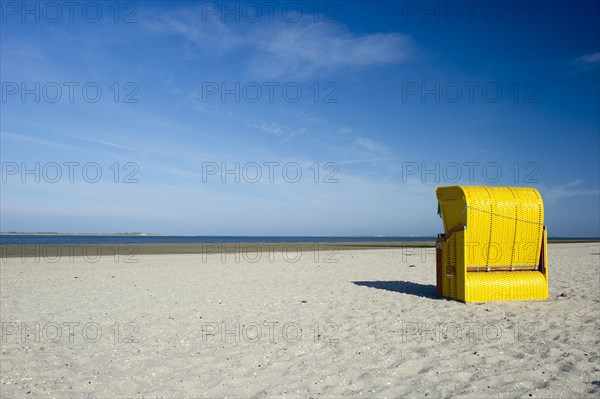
[[502, 286]]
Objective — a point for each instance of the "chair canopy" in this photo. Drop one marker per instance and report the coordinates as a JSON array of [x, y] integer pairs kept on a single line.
[[504, 226]]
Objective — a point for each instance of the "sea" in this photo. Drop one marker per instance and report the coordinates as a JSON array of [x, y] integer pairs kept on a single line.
[[60, 239]]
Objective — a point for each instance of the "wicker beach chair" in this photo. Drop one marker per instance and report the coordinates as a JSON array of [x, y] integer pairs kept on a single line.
[[494, 245]]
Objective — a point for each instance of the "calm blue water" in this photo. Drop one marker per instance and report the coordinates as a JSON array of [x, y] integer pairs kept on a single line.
[[10, 239]]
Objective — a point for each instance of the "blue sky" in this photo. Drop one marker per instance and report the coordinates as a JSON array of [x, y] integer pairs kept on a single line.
[[374, 103]]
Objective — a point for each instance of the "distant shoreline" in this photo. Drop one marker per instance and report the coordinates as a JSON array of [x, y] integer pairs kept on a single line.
[[131, 250], [284, 239], [12, 233]]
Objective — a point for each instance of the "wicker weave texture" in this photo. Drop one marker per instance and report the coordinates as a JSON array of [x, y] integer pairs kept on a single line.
[[504, 228], [504, 224]]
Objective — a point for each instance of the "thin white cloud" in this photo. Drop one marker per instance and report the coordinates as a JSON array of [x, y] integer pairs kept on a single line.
[[203, 34], [365, 147], [112, 144], [371, 146], [589, 59], [278, 130], [365, 160], [275, 49], [354, 148], [584, 63], [29, 139], [33, 53], [302, 50], [568, 190], [71, 137]]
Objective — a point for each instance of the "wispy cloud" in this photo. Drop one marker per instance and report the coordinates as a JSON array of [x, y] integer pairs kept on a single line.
[[201, 33], [368, 145], [584, 63], [568, 190], [364, 146], [278, 130], [589, 59], [355, 148], [34, 53], [113, 144], [29, 139], [276, 49], [305, 50]]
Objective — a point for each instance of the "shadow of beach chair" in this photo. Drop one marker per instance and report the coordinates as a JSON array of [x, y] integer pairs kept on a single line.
[[494, 245]]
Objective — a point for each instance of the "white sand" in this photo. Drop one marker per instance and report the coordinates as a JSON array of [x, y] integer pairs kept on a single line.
[[378, 338]]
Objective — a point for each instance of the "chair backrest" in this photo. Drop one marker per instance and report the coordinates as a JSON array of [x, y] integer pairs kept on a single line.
[[504, 225]]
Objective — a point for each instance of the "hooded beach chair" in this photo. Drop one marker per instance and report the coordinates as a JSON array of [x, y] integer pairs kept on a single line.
[[494, 245]]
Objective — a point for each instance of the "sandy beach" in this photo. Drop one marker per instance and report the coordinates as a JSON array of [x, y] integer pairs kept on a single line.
[[329, 323]]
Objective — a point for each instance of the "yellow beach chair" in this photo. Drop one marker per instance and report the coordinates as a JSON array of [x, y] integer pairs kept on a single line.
[[494, 245]]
